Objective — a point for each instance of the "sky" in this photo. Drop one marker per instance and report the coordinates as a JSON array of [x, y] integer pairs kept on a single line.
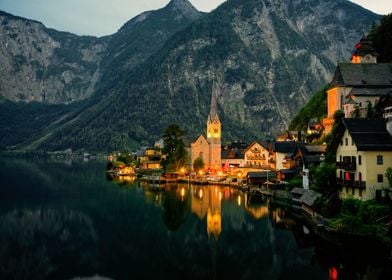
[[105, 17]]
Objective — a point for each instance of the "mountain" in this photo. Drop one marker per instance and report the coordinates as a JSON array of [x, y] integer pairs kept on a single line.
[[45, 65], [264, 57], [62, 68]]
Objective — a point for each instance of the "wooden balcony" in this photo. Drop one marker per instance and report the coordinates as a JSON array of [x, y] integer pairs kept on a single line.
[[346, 165], [255, 157], [352, 184]]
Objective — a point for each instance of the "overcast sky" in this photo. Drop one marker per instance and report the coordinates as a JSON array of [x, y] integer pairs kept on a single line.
[[104, 17]]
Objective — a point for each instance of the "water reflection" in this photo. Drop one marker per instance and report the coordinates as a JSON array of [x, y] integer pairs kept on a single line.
[[66, 221]]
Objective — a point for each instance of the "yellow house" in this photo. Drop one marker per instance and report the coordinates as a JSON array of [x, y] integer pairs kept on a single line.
[[363, 154]]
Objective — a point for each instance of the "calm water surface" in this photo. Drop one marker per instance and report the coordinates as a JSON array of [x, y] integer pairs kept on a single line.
[[65, 220]]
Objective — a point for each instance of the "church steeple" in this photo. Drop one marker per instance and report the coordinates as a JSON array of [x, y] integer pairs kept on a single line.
[[214, 107], [214, 131], [364, 52]]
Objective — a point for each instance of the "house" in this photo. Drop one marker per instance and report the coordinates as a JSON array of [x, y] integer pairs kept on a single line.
[[357, 87], [258, 155], [307, 156], [209, 147], [306, 199], [233, 155], [150, 158], [284, 155], [259, 178], [363, 153]]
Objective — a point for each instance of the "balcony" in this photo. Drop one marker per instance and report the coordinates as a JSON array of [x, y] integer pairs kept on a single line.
[[352, 184], [346, 165], [255, 157]]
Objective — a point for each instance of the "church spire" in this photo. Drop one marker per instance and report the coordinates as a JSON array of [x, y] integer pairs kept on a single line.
[[214, 107]]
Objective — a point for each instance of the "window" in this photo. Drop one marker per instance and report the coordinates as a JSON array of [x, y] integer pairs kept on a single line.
[[341, 143], [380, 178], [346, 140], [380, 160], [360, 192], [360, 177], [359, 160], [352, 142], [340, 158], [341, 174]]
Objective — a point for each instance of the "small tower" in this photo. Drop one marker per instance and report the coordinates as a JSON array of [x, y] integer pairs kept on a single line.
[[364, 52], [214, 133]]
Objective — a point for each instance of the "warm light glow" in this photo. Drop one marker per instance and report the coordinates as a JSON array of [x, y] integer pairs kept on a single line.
[[182, 192], [239, 174], [200, 193], [220, 196], [201, 172], [239, 200], [220, 173], [182, 170]]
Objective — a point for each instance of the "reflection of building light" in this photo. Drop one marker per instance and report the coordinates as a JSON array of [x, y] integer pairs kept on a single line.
[[239, 200], [201, 172], [220, 196], [220, 173], [182, 170], [182, 192], [200, 193]]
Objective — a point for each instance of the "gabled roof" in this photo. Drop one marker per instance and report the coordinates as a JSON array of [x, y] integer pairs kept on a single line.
[[285, 147], [262, 144], [198, 137], [362, 75], [367, 134], [308, 197]]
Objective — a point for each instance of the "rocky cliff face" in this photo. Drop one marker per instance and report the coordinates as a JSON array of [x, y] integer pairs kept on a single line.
[[44, 65], [266, 58]]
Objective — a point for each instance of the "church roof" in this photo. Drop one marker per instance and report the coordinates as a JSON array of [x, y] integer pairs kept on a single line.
[[363, 75]]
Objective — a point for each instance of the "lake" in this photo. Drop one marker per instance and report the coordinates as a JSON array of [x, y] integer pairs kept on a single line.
[[63, 219]]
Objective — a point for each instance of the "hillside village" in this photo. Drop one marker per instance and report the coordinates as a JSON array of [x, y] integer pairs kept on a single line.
[[361, 138]]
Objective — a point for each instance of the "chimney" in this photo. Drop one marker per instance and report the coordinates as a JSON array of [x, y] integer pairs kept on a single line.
[[388, 119]]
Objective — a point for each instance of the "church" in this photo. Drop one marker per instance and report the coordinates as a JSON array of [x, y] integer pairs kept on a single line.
[[358, 85], [208, 147]]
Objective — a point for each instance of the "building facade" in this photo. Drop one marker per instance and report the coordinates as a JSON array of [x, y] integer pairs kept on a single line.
[[363, 154]]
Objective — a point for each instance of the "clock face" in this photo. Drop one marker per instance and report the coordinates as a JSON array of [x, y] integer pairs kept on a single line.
[[368, 57]]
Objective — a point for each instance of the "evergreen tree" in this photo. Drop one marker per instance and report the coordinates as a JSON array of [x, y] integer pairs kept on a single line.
[[382, 39], [174, 148]]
